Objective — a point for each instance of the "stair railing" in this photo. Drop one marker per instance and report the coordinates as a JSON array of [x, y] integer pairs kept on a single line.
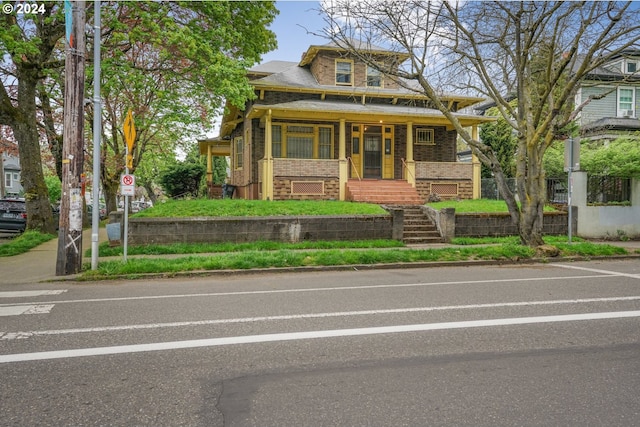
[[406, 168], [355, 169]]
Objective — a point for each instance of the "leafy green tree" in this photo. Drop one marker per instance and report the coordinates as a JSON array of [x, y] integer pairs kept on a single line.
[[27, 48], [173, 64], [183, 179], [499, 136], [619, 158], [54, 187]]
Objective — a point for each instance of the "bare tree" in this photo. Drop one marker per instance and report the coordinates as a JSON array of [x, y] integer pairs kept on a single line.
[[537, 51]]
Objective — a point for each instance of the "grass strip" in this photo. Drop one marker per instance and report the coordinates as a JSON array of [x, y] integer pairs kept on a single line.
[[331, 257], [105, 250], [24, 242], [240, 207]]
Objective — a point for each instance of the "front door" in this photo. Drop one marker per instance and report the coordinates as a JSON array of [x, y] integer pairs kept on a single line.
[[372, 152]]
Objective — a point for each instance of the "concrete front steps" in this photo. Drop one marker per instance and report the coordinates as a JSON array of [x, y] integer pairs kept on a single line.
[[418, 227], [382, 192]]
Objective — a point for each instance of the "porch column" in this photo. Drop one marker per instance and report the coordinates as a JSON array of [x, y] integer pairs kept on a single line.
[[209, 172], [342, 158], [267, 167], [411, 164], [477, 178]]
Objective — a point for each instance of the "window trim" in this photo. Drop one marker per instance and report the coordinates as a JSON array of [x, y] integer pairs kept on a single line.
[[429, 131], [238, 158], [626, 63], [284, 134], [351, 70], [621, 111]]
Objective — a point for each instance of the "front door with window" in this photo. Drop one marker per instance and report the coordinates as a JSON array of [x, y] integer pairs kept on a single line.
[[372, 156]]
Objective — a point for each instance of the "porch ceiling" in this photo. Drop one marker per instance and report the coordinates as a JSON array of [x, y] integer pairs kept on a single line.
[[334, 111]]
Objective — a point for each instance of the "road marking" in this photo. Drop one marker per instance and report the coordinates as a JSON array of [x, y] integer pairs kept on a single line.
[[293, 336], [29, 294], [25, 309], [29, 334], [595, 270], [339, 288]]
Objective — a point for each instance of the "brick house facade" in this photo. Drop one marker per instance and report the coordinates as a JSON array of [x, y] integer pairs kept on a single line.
[[317, 125]]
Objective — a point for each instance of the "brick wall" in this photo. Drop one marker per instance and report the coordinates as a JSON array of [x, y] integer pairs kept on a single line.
[[499, 224]]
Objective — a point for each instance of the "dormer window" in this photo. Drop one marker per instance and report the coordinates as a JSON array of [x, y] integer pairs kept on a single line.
[[632, 67], [344, 72], [374, 77]]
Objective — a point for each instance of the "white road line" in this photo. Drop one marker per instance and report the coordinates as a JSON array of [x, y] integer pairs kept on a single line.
[[595, 270], [29, 334], [30, 294], [292, 336], [25, 309], [339, 288]]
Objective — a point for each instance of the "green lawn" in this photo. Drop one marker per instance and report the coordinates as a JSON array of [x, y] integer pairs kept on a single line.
[[24, 242], [239, 207], [475, 206]]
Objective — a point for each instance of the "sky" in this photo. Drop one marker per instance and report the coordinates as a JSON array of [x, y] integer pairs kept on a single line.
[[291, 26]]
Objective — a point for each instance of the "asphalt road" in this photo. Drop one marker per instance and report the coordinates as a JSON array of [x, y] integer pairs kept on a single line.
[[549, 344]]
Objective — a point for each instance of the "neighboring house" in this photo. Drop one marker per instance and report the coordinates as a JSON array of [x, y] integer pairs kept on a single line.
[[328, 126], [615, 109], [10, 171]]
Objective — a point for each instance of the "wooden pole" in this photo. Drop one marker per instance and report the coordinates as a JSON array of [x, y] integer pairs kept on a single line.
[[69, 259]]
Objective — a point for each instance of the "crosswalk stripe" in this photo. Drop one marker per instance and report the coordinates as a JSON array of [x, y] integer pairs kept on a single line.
[[29, 294], [17, 310]]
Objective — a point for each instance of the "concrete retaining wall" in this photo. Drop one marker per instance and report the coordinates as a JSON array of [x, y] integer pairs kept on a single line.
[[248, 229]]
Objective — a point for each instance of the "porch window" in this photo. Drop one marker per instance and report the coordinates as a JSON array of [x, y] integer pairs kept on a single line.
[[374, 77], [424, 136], [239, 154], [276, 140], [626, 102], [302, 141], [344, 72], [324, 142]]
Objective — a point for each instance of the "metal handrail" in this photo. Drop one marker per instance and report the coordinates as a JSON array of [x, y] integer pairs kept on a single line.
[[355, 169], [406, 167]]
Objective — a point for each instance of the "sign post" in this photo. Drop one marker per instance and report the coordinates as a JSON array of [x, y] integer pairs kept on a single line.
[[127, 182], [571, 163]]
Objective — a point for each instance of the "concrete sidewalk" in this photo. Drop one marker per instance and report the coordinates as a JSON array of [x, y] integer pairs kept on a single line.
[[39, 264]]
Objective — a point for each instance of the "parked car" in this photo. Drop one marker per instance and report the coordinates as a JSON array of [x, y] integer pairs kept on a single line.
[[13, 215]]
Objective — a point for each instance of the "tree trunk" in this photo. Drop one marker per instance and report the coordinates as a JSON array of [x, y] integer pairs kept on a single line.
[[111, 194], [36, 194]]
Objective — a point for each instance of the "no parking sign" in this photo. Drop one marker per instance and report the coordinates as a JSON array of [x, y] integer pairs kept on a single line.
[[127, 185]]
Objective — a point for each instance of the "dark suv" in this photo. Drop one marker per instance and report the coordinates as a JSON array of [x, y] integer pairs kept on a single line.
[[13, 215]]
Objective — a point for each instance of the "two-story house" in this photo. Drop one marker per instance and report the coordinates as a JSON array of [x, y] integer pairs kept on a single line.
[[614, 109], [10, 172], [330, 127]]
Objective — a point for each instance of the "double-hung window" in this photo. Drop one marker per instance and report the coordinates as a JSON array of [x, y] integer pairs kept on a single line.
[[626, 102], [344, 72], [374, 77], [239, 154]]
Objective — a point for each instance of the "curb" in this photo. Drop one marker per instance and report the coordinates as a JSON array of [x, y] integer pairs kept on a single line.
[[351, 267]]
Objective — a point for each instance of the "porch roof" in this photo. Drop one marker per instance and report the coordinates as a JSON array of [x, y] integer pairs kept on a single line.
[[351, 111], [219, 146]]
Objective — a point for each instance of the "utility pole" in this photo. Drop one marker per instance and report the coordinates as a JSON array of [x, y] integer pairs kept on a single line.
[[69, 259]]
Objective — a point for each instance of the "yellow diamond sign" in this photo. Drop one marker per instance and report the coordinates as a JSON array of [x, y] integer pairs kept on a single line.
[[129, 131]]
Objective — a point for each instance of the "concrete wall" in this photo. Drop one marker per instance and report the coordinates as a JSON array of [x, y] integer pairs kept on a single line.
[[452, 225], [601, 222], [248, 229]]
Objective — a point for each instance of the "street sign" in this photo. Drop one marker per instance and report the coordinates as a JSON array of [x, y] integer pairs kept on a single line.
[[127, 185], [129, 131]]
